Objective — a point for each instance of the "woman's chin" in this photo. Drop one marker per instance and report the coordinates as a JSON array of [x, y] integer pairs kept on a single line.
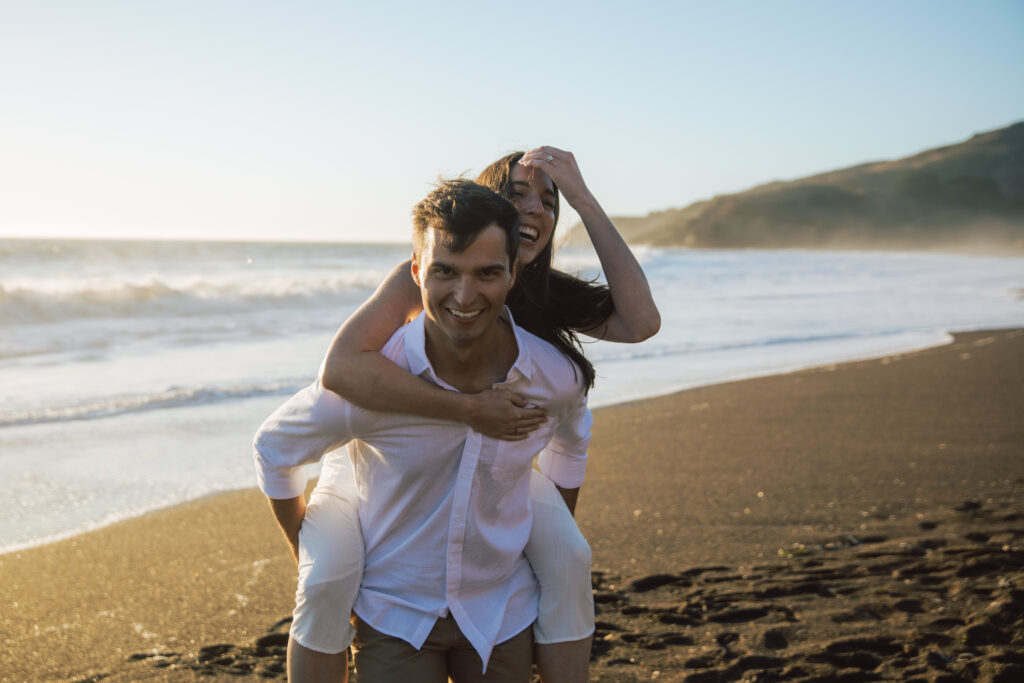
[[527, 252]]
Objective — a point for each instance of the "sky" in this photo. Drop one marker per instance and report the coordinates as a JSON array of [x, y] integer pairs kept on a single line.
[[303, 120]]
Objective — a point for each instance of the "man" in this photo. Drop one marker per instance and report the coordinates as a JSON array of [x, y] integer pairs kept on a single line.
[[444, 512]]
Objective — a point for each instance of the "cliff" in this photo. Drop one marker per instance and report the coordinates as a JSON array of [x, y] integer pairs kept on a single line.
[[968, 195]]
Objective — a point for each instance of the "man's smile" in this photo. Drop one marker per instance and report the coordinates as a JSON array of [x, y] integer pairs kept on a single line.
[[464, 315]]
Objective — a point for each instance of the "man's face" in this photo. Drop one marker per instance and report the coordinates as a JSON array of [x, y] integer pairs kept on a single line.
[[463, 291]]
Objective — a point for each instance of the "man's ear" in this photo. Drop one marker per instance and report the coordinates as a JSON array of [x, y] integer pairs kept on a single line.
[[513, 271], [414, 267]]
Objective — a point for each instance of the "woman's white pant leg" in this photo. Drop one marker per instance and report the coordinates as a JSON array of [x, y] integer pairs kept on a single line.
[[560, 558], [331, 557]]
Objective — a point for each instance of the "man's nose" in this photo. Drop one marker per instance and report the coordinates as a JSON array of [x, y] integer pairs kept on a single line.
[[465, 291]]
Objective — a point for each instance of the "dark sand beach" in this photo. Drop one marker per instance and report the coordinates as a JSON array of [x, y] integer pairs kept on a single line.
[[855, 522]]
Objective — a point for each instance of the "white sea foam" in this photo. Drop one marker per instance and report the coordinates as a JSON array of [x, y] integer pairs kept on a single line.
[[133, 375], [32, 301], [119, 404], [60, 300]]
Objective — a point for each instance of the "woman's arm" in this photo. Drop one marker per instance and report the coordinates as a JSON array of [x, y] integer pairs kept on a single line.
[[356, 370], [636, 316]]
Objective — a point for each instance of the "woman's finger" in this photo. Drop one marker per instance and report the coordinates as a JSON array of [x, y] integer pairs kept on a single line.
[[531, 422], [539, 156], [543, 162], [550, 155], [515, 398], [561, 166], [532, 414]]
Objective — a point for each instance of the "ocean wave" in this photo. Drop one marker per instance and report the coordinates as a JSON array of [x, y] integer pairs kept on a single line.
[[33, 301], [606, 352], [113, 406], [584, 260]]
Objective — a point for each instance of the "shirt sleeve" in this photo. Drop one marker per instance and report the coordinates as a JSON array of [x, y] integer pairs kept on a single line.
[[311, 423], [564, 459]]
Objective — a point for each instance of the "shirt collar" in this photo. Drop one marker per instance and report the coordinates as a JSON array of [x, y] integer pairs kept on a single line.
[[416, 351]]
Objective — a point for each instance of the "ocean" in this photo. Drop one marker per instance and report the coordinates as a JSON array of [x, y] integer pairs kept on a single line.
[[134, 374]]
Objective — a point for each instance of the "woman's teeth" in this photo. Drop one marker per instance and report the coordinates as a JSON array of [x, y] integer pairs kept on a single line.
[[529, 233]]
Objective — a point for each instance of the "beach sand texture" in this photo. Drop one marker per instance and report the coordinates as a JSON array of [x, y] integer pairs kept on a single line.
[[850, 523]]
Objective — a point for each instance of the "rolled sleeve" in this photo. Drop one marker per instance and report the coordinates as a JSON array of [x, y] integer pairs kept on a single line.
[[311, 423], [564, 459]]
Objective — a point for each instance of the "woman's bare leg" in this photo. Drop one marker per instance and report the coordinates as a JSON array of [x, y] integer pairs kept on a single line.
[[560, 558], [330, 570]]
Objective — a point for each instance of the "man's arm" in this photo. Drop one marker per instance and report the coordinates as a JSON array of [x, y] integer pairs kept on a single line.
[[564, 459], [289, 513], [311, 423]]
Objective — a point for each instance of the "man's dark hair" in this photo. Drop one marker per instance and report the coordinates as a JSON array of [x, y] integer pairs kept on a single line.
[[551, 304], [460, 210]]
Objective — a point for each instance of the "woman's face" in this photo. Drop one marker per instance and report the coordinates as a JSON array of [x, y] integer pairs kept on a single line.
[[534, 197]]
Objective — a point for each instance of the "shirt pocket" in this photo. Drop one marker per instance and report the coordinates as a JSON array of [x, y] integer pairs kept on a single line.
[[514, 459]]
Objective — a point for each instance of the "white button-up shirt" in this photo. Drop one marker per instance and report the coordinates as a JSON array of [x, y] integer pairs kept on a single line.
[[445, 511]]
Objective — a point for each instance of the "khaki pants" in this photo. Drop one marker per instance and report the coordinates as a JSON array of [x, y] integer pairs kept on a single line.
[[446, 653]]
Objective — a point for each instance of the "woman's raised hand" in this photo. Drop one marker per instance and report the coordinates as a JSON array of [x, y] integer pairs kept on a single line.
[[562, 168], [502, 414]]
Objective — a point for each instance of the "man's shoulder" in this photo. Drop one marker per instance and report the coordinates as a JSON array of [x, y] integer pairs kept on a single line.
[[554, 366]]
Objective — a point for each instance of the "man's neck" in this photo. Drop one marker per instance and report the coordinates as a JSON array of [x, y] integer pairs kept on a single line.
[[474, 367]]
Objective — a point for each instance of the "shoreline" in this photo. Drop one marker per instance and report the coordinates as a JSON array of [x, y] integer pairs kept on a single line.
[[946, 338], [938, 339], [874, 449]]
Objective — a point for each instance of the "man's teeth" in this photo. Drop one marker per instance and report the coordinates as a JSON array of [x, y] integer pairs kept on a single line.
[[465, 315]]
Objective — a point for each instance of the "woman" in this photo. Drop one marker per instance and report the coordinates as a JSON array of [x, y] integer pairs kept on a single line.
[[552, 305]]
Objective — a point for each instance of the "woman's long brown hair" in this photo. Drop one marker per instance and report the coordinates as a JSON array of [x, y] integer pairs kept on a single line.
[[549, 303]]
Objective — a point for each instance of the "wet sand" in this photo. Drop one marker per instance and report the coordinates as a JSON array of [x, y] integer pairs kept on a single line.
[[856, 522]]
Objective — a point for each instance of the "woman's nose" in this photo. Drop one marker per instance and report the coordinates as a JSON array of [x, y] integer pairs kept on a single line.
[[530, 204]]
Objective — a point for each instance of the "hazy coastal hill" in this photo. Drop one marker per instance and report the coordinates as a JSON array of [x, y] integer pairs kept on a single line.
[[967, 195]]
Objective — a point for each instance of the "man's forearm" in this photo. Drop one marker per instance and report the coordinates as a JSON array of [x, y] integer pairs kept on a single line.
[[289, 513]]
